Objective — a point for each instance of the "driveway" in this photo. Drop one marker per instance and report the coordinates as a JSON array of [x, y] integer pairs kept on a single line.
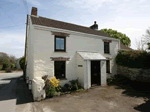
[[98, 99], [13, 91], [15, 97]]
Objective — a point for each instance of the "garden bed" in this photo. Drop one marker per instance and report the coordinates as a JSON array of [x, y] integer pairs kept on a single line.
[[52, 87]]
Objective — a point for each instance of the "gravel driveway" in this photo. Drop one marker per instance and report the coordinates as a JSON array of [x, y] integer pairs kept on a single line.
[[15, 97], [97, 99]]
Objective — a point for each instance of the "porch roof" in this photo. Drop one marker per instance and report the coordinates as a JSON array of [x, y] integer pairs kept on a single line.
[[91, 55]]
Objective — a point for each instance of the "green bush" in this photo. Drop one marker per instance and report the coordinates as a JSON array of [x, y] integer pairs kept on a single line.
[[133, 59], [8, 70], [5, 65], [66, 88], [12, 65], [22, 63], [75, 85], [59, 89], [50, 91]]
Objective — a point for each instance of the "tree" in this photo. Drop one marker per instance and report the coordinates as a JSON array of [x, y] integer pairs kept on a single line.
[[7, 61], [139, 45], [146, 39], [12, 58], [22, 65], [115, 34], [4, 60], [3, 57]]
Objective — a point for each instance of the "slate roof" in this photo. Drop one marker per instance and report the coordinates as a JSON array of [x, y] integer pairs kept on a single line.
[[69, 26], [63, 25]]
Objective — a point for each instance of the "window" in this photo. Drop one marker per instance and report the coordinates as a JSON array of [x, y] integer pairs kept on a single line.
[[106, 47], [107, 66], [60, 43], [60, 69]]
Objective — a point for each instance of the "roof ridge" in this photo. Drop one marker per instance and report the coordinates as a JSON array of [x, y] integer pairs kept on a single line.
[[69, 23], [65, 25]]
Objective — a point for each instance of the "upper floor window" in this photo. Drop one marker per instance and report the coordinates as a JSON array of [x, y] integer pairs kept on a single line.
[[106, 47], [60, 43]]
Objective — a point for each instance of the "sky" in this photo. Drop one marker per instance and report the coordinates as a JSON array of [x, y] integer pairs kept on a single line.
[[127, 16]]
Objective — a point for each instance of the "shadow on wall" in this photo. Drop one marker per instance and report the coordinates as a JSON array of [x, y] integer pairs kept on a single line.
[[134, 89], [16, 89]]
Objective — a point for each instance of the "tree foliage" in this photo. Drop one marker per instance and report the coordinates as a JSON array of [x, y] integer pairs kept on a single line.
[[22, 63], [3, 57], [7, 61], [146, 39], [115, 34], [133, 59]]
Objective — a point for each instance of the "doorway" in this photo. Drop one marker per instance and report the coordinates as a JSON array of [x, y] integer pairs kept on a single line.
[[95, 73]]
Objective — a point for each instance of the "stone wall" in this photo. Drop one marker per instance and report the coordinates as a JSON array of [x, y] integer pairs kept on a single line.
[[142, 75]]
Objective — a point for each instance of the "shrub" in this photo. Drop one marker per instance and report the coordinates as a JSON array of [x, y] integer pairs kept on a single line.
[[54, 82], [66, 88], [6, 64], [50, 91], [75, 85], [22, 63], [133, 59], [8, 70], [51, 86], [59, 89]]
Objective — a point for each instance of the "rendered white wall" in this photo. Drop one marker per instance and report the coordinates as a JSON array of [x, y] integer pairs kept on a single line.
[[80, 70], [103, 73], [44, 49], [30, 51]]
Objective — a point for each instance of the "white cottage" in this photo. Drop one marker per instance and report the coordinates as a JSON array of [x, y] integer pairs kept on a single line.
[[67, 51]]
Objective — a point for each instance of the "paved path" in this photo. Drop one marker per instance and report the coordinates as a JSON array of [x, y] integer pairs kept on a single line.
[[13, 91]]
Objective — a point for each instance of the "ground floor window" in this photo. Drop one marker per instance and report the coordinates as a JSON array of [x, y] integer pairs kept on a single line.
[[60, 69], [107, 66]]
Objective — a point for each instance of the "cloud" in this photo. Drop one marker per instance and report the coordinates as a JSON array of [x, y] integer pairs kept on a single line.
[[12, 43], [85, 4], [141, 1], [34, 2]]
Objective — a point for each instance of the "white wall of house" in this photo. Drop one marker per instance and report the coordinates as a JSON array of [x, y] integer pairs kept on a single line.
[[30, 52], [81, 68], [43, 49]]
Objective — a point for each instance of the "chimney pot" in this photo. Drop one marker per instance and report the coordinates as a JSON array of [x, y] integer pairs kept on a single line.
[[34, 11], [95, 26]]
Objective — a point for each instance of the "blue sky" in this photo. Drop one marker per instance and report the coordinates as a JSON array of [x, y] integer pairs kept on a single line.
[[127, 16]]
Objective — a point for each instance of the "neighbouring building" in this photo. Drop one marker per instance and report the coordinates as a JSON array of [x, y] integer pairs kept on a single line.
[[67, 51]]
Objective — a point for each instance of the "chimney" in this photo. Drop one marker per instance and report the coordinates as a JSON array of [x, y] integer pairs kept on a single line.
[[95, 26], [34, 11]]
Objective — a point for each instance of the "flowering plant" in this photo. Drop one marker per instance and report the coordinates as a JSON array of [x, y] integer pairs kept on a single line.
[[54, 82]]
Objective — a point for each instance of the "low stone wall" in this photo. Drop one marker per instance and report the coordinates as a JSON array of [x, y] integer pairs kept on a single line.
[[135, 74]]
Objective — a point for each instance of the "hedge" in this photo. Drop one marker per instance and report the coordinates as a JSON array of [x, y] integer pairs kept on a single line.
[[133, 59]]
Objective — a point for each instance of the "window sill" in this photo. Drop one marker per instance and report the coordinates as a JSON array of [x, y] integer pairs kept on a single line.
[[108, 73], [62, 78], [60, 52], [107, 53]]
